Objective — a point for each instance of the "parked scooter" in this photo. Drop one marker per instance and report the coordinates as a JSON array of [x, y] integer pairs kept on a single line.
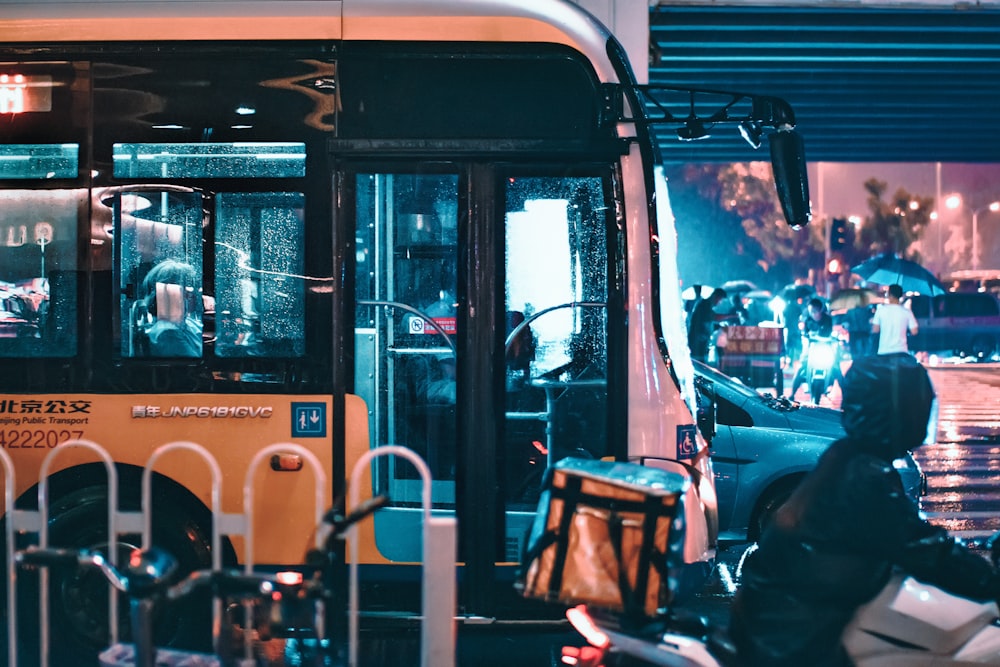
[[909, 624]]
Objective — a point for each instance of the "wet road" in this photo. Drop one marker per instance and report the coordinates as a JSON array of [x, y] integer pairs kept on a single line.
[[962, 468]]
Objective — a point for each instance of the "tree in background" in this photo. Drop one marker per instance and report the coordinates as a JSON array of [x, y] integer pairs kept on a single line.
[[730, 226], [754, 243], [894, 225]]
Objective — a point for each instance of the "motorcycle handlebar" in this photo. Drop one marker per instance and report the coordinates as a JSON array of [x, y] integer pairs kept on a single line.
[[339, 523], [54, 557], [229, 583], [225, 583]]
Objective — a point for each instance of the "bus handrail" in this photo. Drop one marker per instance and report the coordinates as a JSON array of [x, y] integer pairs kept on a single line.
[[569, 304], [413, 311]]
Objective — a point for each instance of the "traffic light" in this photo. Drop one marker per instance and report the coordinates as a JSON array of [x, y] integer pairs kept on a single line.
[[838, 234], [834, 266]]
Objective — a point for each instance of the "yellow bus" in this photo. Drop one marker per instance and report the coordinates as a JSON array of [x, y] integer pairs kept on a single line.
[[342, 224]]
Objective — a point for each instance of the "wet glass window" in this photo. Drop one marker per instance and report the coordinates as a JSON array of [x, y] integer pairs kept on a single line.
[[38, 267], [406, 362], [39, 161], [260, 289], [160, 269], [556, 330], [556, 261], [729, 414], [211, 160]]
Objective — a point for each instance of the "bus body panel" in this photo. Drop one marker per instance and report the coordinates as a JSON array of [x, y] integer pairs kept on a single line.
[[48, 22], [380, 20], [658, 424], [30, 427]]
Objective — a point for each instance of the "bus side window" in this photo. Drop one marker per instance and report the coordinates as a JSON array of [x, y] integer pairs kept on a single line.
[[259, 283], [160, 270], [38, 250]]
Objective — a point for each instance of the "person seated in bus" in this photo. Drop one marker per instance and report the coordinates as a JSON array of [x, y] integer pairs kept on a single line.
[[172, 325], [440, 383]]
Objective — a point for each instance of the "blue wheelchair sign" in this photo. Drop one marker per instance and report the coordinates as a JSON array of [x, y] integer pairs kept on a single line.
[[687, 441]]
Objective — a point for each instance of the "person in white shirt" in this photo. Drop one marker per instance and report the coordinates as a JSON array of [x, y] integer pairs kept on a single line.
[[892, 321]]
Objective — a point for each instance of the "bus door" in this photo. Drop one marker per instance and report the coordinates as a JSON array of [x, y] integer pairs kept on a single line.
[[481, 342]]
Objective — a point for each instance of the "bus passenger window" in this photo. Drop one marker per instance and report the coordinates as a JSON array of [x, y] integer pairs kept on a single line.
[[38, 266], [160, 269], [259, 282]]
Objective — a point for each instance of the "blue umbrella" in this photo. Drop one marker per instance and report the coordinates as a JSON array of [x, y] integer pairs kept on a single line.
[[891, 269]]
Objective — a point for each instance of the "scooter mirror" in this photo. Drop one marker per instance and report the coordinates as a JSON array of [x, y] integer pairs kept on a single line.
[[788, 163]]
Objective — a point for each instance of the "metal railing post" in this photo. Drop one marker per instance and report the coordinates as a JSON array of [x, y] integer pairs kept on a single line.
[[437, 632]]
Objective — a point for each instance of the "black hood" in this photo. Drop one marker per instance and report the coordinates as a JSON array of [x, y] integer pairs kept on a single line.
[[886, 404]]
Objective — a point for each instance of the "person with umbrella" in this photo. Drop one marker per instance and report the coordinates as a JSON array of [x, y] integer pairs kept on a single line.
[[891, 322], [891, 269]]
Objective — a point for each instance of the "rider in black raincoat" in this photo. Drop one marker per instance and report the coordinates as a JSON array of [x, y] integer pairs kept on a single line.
[[834, 544]]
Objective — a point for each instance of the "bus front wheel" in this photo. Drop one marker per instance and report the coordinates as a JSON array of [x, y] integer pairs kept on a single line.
[[78, 598]]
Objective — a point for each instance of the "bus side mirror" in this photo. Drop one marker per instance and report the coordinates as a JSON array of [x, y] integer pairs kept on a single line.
[[788, 162]]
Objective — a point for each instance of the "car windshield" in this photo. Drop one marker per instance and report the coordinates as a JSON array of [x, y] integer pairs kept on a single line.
[[717, 377]]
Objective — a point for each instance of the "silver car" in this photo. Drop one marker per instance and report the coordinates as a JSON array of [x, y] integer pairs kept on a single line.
[[763, 446]]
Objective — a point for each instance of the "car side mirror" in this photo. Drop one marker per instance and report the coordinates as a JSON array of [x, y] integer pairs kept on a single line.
[[791, 179]]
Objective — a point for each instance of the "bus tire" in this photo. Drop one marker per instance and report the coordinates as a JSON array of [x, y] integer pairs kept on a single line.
[[78, 598]]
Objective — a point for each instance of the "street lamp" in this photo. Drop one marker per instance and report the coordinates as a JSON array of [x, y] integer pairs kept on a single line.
[[992, 206]]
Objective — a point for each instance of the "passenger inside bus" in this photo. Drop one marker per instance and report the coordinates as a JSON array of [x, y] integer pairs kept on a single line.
[[439, 388], [520, 352], [168, 317]]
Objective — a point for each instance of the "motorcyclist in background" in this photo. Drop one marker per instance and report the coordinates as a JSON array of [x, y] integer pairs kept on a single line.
[[834, 544], [816, 321]]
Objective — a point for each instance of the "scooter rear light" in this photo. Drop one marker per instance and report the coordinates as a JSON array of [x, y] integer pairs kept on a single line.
[[582, 656], [584, 624]]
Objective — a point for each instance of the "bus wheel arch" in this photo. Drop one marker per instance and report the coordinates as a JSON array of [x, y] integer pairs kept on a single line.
[[182, 526]]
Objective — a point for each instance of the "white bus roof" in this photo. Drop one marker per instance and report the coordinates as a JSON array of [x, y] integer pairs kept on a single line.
[[549, 21]]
